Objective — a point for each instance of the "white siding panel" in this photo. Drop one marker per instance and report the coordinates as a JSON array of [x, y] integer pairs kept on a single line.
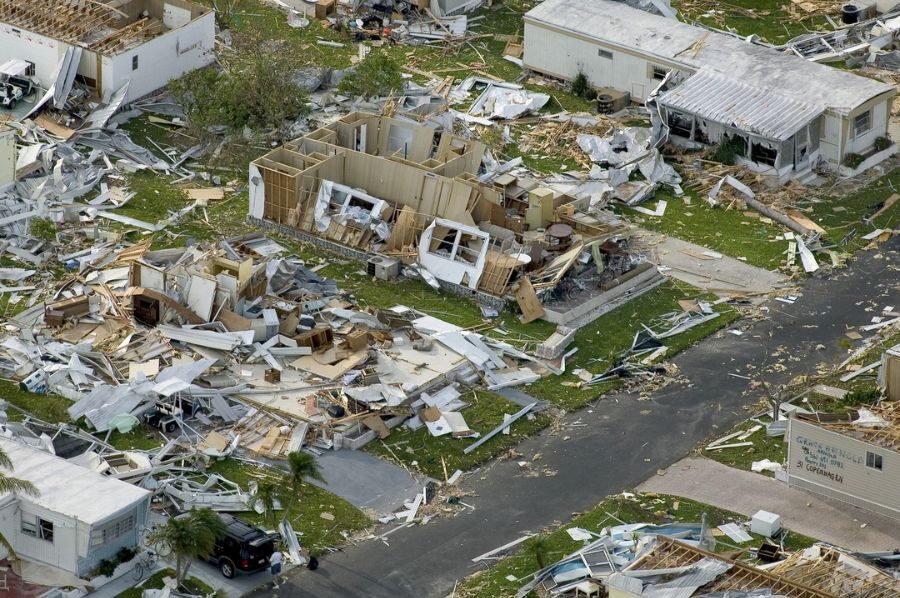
[[162, 59], [563, 55], [879, 127], [44, 52], [833, 464], [61, 552]]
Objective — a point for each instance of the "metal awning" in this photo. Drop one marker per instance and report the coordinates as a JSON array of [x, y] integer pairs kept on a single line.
[[15, 67], [740, 106]]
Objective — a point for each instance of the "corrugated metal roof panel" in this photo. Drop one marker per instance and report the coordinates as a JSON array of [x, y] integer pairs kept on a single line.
[[714, 97]]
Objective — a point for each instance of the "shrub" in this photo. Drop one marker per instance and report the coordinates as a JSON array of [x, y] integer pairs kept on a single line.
[[377, 75], [882, 143], [862, 397], [125, 554], [492, 137], [254, 89], [852, 160], [104, 568], [728, 150], [580, 84]]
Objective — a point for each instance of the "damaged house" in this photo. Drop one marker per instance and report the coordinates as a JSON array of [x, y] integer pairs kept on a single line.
[[112, 43], [852, 457], [78, 519], [414, 193], [783, 115]]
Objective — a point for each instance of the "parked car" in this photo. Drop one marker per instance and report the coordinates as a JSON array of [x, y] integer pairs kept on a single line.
[[244, 549]]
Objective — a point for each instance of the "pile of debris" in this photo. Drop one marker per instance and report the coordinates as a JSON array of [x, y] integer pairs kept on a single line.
[[239, 345]]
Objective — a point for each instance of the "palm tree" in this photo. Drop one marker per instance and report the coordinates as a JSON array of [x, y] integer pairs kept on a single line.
[[191, 536], [12, 485], [269, 495], [537, 545], [301, 467]]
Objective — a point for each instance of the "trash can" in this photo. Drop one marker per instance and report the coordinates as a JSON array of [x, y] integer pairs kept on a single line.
[[850, 13]]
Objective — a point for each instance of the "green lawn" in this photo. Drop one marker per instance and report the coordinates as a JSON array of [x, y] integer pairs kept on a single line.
[[318, 532], [647, 508], [142, 438], [420, 450], [764, 447], [776, 21], [155, 582], [728, 231], [466, 313], [50, 408], [599, 345], [603, 341], [842, 213]]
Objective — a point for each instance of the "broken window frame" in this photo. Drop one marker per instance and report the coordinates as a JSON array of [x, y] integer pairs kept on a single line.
[[861, 120], [29, 528], [45, 529], [760, 153], [657, 72], [676, 122], [334, 200], [874, 461], [457, 247], [36, 527]]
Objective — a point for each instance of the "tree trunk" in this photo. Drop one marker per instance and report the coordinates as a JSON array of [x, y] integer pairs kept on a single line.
[[187, 565], [179, 574]]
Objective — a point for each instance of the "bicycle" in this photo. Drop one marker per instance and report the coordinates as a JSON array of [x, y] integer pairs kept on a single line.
[[145, 564], [159, 546]]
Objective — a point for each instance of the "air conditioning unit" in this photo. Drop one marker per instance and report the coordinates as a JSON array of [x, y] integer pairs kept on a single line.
[[383, 268]]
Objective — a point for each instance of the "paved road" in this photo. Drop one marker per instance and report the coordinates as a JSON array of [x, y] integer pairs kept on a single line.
[[745, 492], [625, 442]]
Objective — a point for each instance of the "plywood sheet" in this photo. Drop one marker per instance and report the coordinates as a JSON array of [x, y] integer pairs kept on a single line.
[[201, 296], [528, 301], [805, 222]]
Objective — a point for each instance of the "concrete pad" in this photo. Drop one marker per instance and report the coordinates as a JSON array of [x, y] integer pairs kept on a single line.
[[368, 482], [745, 492], [722, 276]]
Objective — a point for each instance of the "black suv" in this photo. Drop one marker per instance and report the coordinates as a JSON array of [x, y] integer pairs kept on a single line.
[[243, 549]]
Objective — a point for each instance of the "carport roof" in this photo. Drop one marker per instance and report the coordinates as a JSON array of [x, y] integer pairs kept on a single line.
[[728, 102]]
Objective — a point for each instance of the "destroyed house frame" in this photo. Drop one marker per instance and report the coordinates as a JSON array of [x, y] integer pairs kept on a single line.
[[367, 184], [410, 174], [668, 554]]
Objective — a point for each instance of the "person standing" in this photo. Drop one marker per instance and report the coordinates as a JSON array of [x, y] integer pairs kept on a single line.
[[275, 561]]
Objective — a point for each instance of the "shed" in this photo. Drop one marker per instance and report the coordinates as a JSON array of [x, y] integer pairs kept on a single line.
[[79, 518]]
